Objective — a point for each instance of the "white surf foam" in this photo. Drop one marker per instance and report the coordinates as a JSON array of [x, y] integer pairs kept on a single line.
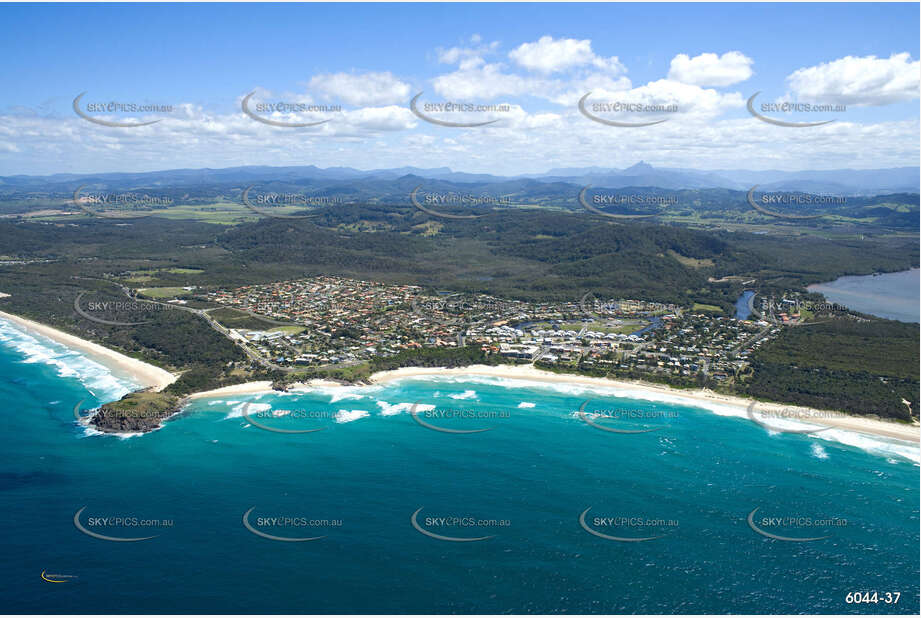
[[872, 444], [347, 416], [344, 395], [388, 409], [819, 452], [237, 410], [68, 363]]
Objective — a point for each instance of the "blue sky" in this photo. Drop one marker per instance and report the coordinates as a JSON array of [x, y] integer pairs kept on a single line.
[[538, 58]]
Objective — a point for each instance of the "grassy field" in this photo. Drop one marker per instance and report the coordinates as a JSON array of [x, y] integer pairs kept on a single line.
[[702, 308], [692, 262], [162, 292], [291, 330], [233, 318], [147, 276], [139, 279], [220, 213]]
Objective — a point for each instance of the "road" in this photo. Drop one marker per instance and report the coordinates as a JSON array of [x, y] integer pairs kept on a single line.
[[203, 313]]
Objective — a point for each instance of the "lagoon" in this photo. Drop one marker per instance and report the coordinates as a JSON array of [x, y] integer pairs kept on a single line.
[[894, 296]]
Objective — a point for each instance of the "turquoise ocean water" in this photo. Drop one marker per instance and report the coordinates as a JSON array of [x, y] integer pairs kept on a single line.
[[689, 485]]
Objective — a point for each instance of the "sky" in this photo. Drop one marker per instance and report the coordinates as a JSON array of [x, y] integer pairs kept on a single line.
[[689, 68]]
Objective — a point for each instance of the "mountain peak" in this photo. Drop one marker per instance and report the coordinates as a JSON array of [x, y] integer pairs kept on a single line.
[[639, 168]]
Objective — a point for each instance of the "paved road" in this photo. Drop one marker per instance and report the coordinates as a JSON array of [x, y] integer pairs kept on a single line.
[[203, 313]]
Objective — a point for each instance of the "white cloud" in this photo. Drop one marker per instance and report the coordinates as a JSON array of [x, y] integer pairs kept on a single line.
[[484, 83], [571, 92], [378, 130], [690, 100], [389, 118], [549, 55], [467, 57], [376, 138], [361, 88], [711, 70], [853, 80]]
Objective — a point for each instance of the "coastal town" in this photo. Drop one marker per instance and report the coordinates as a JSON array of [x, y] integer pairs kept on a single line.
[[334, 321]]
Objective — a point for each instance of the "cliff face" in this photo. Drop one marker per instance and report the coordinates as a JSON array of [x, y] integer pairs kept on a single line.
[[135, 412]]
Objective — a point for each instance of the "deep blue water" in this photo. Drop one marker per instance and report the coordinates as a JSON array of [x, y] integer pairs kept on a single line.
[[742, 308], [537, 468], [894, 296]]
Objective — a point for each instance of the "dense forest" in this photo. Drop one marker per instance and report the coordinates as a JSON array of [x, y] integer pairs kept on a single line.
[[859, 367]]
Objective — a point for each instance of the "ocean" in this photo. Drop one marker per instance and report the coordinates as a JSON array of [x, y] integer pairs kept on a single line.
[[535, 508]]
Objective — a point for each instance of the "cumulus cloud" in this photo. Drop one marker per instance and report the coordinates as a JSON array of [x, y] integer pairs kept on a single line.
[[688, 99], [549, 55], [376, 128], [361, 88], [389, 118], [711, 70], [854, 80], [467, 57], [524, 141], [485, 82], [569, 94]]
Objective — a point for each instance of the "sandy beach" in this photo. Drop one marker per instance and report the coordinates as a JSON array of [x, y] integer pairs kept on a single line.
[[141, 372], [887, 429], [253, 388], [151, 376], [769, 412]]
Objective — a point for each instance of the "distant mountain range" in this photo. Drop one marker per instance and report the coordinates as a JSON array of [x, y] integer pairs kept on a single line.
[[833, 182]]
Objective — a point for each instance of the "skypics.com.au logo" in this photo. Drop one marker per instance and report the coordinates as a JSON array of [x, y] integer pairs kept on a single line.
[[468, 113], [625, 420], [471, 526], [432, 203], [793, 527], [615, 113], [110, 205], [298, 421], [283, 527], [120, 525], [626, 528], [129, 312], [625, 205], [273, 113], [794, 420], [114, 113], [770, 203], [455, 420], [272, 203], [786, 107]]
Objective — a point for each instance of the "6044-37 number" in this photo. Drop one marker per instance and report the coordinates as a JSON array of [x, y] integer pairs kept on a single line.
[[889, 598]]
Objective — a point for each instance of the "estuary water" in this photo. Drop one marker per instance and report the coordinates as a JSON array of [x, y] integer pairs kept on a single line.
[[894, 296], [411, 518]]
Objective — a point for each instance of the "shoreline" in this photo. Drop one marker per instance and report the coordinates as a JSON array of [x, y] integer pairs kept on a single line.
[[148, 376], [878, 428], [263, 387]]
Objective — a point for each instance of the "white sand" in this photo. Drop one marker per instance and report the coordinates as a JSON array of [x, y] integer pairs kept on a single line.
[[151, 376], [829, 418], [887, 429], [141, 372], [247, 388], [252, 388]]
